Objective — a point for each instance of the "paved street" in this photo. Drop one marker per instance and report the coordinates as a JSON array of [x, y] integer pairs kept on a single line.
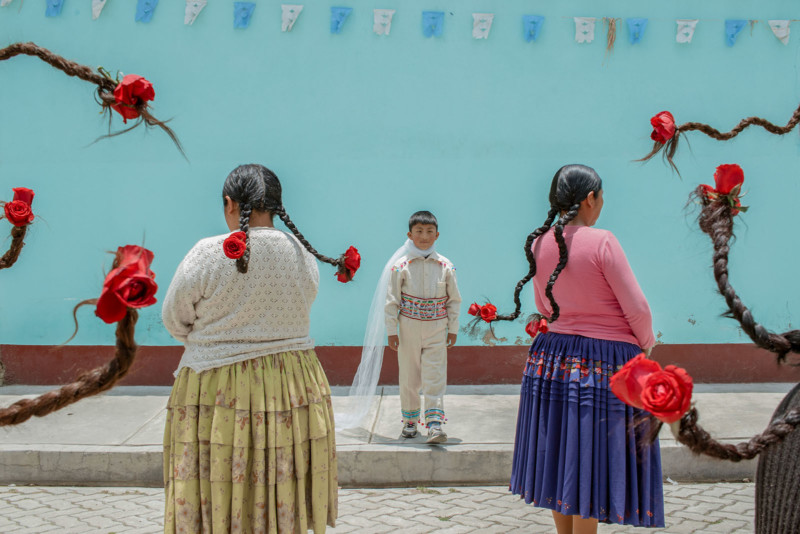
[[719, 508]]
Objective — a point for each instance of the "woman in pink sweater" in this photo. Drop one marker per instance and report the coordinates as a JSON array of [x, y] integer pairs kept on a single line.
[[579, 451]]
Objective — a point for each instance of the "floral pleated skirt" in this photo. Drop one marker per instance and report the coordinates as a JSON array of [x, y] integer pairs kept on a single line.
[[250, 448], [578, 449]]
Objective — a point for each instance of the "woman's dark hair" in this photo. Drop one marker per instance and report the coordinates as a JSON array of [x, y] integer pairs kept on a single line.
[[105, 86], [671, 146], [17, 242], [571, 185], [255, 187], [422, 217]]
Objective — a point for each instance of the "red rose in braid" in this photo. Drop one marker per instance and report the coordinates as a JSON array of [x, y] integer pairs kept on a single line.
[[235, 245], [130, 94], [130, 285], [18, 211], [350, 264]]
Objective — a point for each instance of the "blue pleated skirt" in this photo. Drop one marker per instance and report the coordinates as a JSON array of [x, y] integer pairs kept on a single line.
[[578, 449]]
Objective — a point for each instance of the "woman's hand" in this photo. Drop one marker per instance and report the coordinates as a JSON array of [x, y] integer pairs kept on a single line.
[[394, 341], [451, 339]]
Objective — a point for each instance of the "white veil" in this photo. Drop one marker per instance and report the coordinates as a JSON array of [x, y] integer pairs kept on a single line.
[[355, 407]]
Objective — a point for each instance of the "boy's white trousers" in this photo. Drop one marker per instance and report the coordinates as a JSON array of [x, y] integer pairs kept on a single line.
[[422, 360]]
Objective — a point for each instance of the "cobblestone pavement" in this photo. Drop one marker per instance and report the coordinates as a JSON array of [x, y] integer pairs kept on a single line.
[[717, 508]]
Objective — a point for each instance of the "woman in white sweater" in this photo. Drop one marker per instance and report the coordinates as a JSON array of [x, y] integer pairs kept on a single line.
[[249, 439]]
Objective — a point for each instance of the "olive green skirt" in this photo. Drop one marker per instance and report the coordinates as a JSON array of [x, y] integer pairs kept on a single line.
[[250, 448]]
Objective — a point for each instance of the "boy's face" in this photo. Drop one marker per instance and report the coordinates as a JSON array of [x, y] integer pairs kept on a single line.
[[423, 235]]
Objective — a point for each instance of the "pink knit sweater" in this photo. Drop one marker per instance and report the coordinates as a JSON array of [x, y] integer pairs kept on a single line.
[[597, 292]]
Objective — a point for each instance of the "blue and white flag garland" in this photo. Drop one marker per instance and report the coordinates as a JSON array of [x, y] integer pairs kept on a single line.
[[338, 16], [781, 30], [54, 8], [242, 14], [481, 25], [382, 21], [289, 15], [636, 29], [531, 26], [732, 29], [685, 30], [193, 9], [584, 29], [432, 23], [145, 9]]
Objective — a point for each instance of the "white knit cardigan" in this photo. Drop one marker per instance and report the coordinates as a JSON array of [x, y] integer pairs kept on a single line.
[[223, 316]]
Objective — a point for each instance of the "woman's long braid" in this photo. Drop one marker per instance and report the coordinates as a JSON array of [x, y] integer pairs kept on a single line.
[[716, 220], [551, 215], [244, 225], [699, 441], [105, 85], [671, 146], [281, 212], [563, 256], [17, 242], [90, 383]]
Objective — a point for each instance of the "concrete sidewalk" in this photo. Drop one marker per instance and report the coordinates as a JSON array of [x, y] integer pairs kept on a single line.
[[115, 439]]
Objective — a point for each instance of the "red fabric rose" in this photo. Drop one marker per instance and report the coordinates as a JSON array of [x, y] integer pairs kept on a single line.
[[727, 177], [24, 194], [129, 93], [18, 213], [489, 312], [534, 327], [235, 245], [130, 285], [474, 309], [628, 383], [663, 127], [352, 260], [667, 394]]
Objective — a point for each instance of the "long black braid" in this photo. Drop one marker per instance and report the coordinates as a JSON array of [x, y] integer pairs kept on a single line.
[[570, 186], [551, 215], [563, 256], [255, 187]]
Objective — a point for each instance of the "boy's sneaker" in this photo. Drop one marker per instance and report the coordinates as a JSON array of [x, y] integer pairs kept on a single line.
[[410, 430], [436, 434]]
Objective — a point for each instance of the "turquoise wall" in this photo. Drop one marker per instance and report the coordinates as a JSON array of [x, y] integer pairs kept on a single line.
[[363, 130]]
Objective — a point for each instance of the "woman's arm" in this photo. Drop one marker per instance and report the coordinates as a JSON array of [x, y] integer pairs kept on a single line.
[[623, 283], [185, 290]]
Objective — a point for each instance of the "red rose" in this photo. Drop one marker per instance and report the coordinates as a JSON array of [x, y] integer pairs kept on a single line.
[[628, 383], [24, 194], [534, 327], [474, 309], [130, 285], [489, 313], [667, 394], [129, 93], [727, 177], [352, 260], [235, 245], [342, 277], [663, 127], [18, 213]]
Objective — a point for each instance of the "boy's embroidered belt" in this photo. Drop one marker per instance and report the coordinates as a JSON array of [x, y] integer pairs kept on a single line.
[[423, 309]]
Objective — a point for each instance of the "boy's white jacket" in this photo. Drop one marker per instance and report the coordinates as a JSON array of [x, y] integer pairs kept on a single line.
[[423, 277], [352, 410]]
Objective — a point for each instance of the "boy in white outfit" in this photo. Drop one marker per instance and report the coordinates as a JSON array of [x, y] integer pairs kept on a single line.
[[422, 302]]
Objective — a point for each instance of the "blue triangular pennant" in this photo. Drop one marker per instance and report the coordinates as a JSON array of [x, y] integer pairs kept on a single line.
[[145, 10], [54, 8], [432, 23], [338, 16], [636, 29], [732, 29], [242, 13], [531, 25]]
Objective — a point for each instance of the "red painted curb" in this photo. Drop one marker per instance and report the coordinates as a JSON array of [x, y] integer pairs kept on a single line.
[[467, 365]]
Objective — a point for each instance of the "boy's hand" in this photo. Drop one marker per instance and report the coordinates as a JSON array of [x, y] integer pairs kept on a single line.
[[394, 341], [451, 339]]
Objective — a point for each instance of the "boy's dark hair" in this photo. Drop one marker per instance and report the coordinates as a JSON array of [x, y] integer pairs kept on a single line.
[[422, 217]]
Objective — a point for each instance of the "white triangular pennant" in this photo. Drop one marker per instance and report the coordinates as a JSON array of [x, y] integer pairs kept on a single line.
[[289, 14], [481, 25], [685, 30], [193, 8], [382, 22], [97, 7], [584, 29], [781, 30]]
